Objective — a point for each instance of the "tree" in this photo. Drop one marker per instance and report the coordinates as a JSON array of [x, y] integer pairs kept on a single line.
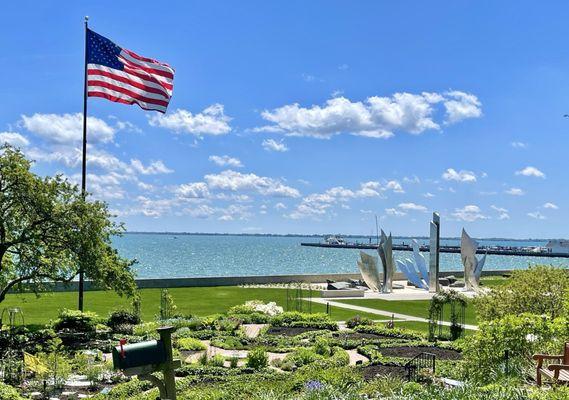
[[47, 230]]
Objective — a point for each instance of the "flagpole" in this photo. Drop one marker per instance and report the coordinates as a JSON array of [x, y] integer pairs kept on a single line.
[[84, 162]]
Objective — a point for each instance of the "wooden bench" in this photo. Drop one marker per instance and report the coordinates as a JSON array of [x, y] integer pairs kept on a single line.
[[559, 372]]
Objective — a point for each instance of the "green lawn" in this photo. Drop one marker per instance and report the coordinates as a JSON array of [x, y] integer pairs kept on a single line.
[[416, 308], [197, 301]]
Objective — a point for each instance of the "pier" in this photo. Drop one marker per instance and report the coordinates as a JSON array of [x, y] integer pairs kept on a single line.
[[443, 249]]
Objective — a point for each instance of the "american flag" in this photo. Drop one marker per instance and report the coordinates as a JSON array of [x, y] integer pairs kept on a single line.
[[123, 76]]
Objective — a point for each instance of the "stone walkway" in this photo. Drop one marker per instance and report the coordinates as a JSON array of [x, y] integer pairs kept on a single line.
[[402, 317]]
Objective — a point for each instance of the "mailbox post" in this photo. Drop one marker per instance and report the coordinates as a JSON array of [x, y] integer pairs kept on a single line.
[[145, 358]]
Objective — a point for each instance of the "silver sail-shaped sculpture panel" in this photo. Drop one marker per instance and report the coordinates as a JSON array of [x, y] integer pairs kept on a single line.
[[415, 270], [385, 250], [472, 265], [370, 274]]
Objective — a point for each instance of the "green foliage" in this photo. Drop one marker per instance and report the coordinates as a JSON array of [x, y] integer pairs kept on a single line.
[[540, 290], [167, 306], [233, 361], [53, 230], [356, 320], [297, 319], [118, 319], [8, 392], [146, 330], [257, 358], [58, 367], [521, 336], [189, 344], [322, 347], [217, 361], [76, 321], [125, 391], [397, 333]]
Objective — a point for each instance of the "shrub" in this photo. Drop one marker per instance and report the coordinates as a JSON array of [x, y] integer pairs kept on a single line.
[[233, 362], [217, 361], [396, 333], [302, 356], [147, 330], [321, 347], [58, 368], [257, 358], [121, 318], [521, 336], [357, 320], [8, 392], [203, 360], [76, 321], [190, 344], [540, 290], [167, 306], [297, 319]]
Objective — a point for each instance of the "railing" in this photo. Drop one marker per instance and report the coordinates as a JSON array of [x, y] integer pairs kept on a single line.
[[420, 362]]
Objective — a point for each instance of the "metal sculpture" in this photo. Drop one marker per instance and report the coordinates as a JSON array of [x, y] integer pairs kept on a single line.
[[415, 270], [385, 250], [368, 268], [434, 246], [472, 265]]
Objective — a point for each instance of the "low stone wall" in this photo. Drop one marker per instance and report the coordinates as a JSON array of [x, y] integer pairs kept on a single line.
[[160, 283]]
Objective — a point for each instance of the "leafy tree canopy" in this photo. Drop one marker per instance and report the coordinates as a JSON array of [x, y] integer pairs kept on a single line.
[[47, 230]]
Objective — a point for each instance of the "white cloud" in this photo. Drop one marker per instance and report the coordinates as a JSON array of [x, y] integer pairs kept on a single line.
[[460, 176], [68, 128], [236, 181], [515, 192], [395, 186], [412, 207], [503, 213], [551, 206], [519, 145], [531, 171], [377, 117], [428, 195], [469, 213], [412, 179], [195, 190], [280, 206], [154, 168], [273, 145], [211, 121], [395, 212], [460, 106], [223, 161], [14, 139], [536, 215]]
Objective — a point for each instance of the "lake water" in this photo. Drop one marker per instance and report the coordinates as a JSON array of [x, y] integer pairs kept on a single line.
[[176, 256]]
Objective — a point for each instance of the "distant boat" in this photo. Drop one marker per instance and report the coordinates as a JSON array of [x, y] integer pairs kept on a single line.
[[558, 246], [335, 240]]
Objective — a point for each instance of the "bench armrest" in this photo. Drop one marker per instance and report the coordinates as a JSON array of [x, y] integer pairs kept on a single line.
[[558, 367], [547, 357]]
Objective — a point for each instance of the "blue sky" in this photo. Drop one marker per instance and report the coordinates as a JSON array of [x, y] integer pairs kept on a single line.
[[307, 117]]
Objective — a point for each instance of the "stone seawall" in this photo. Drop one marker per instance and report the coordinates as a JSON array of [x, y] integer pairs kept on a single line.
[[159, 283]]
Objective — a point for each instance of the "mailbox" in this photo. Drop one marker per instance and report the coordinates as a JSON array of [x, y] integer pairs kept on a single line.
[[139, 354], [144, 358]]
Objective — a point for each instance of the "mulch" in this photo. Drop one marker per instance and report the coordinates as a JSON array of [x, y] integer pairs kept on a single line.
[[373, 371], [288, 331], [412, 351]]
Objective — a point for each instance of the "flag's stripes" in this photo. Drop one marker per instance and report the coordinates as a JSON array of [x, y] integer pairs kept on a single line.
[[123, 76], [131, 57], [125, 99], [106, 76]]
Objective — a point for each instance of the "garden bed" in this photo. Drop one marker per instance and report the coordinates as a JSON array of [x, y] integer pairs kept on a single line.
[[361, 336], [412, 351], [370, 372], [289, 330]]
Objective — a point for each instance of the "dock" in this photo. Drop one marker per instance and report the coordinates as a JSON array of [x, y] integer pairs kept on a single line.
[[443, 249]]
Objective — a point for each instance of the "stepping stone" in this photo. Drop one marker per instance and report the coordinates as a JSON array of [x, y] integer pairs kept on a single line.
[[452, 279], [36, 395], [444, 282], [69, 395], [458, 284]]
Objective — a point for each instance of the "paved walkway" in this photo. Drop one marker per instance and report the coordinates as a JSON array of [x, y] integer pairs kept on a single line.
[[403, 317]]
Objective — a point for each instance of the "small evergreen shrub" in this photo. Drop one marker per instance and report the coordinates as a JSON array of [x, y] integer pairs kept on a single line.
[[76, 321], [121, 318], [357, 321], [189, 344], [257, 358]]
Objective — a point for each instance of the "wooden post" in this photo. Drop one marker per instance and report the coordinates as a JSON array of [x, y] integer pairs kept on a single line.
[[168, 368], [434, 246]]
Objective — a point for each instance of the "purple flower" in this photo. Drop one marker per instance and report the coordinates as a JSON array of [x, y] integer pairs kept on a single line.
[[314, 385]]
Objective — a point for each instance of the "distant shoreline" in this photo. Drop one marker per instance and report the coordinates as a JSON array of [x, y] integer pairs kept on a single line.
[[315, 236]]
